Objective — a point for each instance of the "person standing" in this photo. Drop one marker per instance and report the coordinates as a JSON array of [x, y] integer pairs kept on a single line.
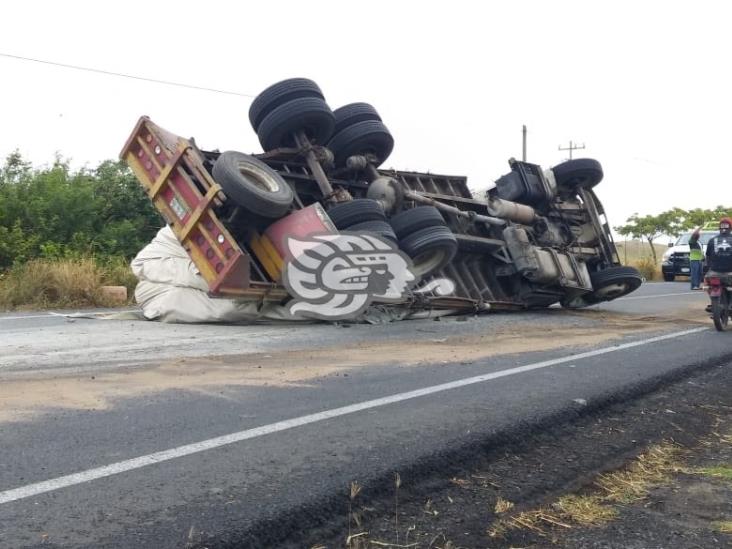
[[696, 257]]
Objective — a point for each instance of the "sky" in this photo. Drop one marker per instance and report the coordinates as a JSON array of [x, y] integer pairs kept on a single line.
[[644, 85]]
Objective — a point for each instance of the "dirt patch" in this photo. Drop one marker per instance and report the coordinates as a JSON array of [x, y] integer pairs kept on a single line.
[[23, 397], [673, 447], [691, 313]]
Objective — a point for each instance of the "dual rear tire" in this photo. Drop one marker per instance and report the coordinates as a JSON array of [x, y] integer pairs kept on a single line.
[[298, 105], [425, 238]]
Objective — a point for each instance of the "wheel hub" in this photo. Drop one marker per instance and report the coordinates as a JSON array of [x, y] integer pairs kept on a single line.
[[611, 291], [258, 177]]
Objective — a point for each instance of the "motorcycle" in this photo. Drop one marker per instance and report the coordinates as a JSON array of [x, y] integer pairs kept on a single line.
[[719, 289]]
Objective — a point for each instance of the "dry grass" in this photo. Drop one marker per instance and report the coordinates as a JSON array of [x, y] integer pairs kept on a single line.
[[502, 505], [41, 284], [586, 510], [623, 486], [638, 254], [647, 268], [724, 527], [650, 468], [634, 250], [536, 520], [116, 272]]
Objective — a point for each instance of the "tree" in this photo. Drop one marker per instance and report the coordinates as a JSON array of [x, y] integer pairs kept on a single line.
[[698, 216], [650, 227], [14, 169]]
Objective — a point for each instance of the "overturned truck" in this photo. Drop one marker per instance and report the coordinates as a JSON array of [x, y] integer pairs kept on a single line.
[[538, 237]]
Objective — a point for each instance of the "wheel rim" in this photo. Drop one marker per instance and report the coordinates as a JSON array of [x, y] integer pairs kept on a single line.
[[611, 291], [258, 177], [428, 261]]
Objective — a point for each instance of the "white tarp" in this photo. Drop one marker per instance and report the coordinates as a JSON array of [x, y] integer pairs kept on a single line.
[[171, 289]]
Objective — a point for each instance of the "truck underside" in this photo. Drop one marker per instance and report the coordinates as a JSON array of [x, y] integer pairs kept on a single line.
[[538, 237]]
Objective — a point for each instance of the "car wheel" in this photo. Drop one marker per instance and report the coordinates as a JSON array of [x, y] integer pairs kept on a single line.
[[279, 94], [253, 185], [308, 114], [668, 277]]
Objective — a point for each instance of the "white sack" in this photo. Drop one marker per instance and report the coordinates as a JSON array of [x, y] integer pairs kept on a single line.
[[171, 289]]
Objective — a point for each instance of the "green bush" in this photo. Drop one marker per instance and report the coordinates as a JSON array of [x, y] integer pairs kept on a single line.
[[57, 213]]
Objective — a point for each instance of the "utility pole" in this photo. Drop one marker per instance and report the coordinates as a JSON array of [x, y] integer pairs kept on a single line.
[[524, 143], [572, 147]]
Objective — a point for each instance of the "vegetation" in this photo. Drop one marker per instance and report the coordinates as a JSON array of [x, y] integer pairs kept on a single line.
[[42, 283], [63, 233], [671, 222], [56, 213]]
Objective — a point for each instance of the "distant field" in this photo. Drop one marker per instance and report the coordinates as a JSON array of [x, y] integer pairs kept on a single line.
[[633, 250], [638, 254]]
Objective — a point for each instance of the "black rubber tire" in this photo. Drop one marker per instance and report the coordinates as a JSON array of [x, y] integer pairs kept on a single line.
[[367, 137], [353, 113], [669, 277], [279, 94], [347, 214], [380, 228], [309, 114], [602, 281], [720, 311], [430, 249], [253, 185], [416, 219], [578, 173]]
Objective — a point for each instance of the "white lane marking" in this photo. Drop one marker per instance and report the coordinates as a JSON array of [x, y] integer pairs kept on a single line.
[[659, 295], [204, 445], [56, 315]]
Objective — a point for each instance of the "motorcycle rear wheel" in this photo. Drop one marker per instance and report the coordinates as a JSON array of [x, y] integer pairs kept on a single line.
[[720, 311]]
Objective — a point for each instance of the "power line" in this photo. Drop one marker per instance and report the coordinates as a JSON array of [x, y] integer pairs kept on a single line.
[[122, 75]]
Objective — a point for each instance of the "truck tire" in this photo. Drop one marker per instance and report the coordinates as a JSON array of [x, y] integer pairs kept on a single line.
[[416, 219], [311, 115], [582, 173], [279, 94], [353, 113], [430, 248], [253, 185], [379, 228], [612, 283], [347, 214], [367, 137]]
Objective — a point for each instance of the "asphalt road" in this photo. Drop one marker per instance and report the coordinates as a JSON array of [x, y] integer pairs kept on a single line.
[[161, 462]]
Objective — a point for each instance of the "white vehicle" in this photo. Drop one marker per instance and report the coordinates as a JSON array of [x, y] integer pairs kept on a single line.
[[675, 260]]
